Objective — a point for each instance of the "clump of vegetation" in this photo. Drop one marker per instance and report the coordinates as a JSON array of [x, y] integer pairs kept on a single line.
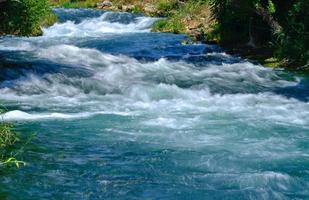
[[172, 25], [167, 7], [74, 3], [187, 18], [293, 42], [8, 138], [282, 26], [49, 20], [25, 17]]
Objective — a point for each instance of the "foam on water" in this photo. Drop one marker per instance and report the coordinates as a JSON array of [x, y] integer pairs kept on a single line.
[[23, 116], [14, 45], [95, 27], [157, 86]]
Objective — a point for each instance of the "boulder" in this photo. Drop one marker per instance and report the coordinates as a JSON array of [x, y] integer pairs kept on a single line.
[[105, 4], [194, 24], [127, 8], [150, 9], [197, 35]]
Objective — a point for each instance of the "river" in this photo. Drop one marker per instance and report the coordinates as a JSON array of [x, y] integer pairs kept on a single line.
[[119, 112]]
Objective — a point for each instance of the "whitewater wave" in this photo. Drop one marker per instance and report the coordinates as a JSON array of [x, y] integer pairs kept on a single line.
[[117, 83], [95, 27], [120, 70], [168, 102]]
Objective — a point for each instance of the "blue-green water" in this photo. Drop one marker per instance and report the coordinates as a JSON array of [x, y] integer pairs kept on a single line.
[[123, 113]]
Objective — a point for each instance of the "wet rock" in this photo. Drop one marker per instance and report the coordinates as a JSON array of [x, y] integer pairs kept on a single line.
[[192, 24], [150, 9], [197, 35], [127, 8], [105, 4]]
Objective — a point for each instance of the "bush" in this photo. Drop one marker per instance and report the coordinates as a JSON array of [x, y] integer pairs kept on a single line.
[[293, 43], [284, 24], [23, 17]]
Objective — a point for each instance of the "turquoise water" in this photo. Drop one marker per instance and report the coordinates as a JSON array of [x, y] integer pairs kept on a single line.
[[123, 113]]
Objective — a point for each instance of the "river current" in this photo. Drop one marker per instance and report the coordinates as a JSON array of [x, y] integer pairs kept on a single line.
[[119, 112]]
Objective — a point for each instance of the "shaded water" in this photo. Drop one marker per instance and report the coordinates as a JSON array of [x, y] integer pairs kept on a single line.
[[123, 113]]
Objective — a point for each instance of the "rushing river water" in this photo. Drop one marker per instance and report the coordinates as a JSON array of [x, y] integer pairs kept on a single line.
[[123, 113]]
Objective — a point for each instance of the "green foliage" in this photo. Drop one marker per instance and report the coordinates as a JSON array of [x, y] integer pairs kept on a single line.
[[23, 17], [160, 25], [167, 6], [137, 9], [293, 43], [189, 15], [271, 7], [233, 18], [8, 138], [49, 20], [241, 20], [173, 25], [74, 3]]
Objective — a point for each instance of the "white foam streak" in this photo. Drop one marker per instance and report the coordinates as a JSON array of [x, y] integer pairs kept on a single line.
[[24, 116]]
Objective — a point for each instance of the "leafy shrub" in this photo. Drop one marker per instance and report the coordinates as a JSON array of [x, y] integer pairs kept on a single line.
[[23, 17], [284, 24], [293, 43]]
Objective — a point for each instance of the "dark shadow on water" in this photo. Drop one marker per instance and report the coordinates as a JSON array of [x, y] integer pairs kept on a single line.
[[14, 66]]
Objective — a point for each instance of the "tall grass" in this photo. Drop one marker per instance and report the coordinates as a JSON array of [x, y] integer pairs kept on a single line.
[[74, 3], [8, 138]]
